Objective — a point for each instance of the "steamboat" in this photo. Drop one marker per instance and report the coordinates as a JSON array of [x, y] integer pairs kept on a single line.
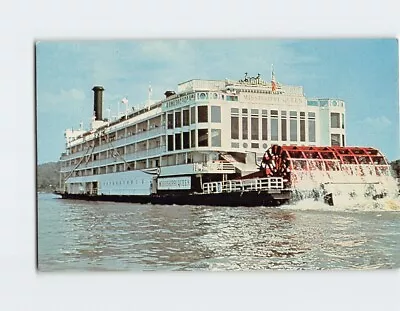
[[246, 142]]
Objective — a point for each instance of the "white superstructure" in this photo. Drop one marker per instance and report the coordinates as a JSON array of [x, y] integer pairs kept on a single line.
[[207, 128]]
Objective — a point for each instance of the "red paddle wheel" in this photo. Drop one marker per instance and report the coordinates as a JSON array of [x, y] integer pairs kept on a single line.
[[283, 161], [275, 162]]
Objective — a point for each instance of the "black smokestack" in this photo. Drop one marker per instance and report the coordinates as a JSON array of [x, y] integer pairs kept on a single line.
[[169, 93], [98, 102]]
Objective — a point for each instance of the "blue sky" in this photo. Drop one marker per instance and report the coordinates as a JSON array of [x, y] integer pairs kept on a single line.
[[362, 72]]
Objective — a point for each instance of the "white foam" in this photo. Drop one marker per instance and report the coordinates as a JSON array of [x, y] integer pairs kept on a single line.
[[353, 187]]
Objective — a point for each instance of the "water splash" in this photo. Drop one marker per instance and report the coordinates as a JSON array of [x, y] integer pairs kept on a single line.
[[352, 187]]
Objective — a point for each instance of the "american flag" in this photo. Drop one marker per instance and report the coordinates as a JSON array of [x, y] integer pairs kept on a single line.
[[273, 84]]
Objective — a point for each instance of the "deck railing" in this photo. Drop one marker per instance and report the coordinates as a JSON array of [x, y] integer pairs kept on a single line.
[[244, 185]]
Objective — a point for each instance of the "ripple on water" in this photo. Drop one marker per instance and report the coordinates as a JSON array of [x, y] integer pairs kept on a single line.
[[308, 235]]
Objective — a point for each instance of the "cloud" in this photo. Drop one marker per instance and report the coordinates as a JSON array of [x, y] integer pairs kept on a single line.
[[62, 96], [375, 124]]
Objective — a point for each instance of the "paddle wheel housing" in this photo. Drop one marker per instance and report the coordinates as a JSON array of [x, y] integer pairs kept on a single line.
[[290, 161]]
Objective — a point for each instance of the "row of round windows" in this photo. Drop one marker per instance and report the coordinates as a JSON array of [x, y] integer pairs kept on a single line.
[[123, 182]]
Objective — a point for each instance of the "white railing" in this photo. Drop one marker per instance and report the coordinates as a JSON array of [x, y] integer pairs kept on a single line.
[[120, 142], [244, 185], [136, 155]]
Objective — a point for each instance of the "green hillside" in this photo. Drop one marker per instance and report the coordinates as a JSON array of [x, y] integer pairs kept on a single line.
[[48, 176]]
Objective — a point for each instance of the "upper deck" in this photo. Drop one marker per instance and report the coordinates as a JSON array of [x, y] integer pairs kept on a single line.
[[203, 119]]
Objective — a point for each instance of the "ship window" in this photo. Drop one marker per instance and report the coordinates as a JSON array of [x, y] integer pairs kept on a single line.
[[235, 145], [254, 112], [274, 113], [202, 116], [284, 129], [293, 130], [335, 120], [343, 122], [264, 113], [216, 138], [264, 124], [255, 145], [170, 120], [231, 98], [178, 119], [335, 139], [170, 142], [185, 117], [216, 114], [234, 110], [302, 114], [178, 145], [302, 130], [192, 115], [311, 115], [186, 142], [244, 111], [254, 129], [343, 144], [202, 137], [293, 114], [235, 127], [311, 131], [202, 96], [274, 129], [283, 114], [193, 138], [245, 128]]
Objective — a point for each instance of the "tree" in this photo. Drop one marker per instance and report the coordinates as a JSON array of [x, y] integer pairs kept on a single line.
[[48, 176]]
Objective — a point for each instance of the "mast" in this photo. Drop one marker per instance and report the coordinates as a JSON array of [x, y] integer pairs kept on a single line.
[[109, 114], [149, 94]]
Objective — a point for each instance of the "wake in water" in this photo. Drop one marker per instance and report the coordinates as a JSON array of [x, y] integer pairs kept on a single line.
[[346, 204]]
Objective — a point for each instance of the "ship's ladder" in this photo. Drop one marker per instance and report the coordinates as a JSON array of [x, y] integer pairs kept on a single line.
[[118, 155], [86, 155]]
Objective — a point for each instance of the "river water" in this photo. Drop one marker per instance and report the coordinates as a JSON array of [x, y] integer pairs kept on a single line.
[[81, 236]]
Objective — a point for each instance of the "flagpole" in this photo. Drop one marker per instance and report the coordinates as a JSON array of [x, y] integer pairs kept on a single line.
[[125, 102], [272, 71]]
